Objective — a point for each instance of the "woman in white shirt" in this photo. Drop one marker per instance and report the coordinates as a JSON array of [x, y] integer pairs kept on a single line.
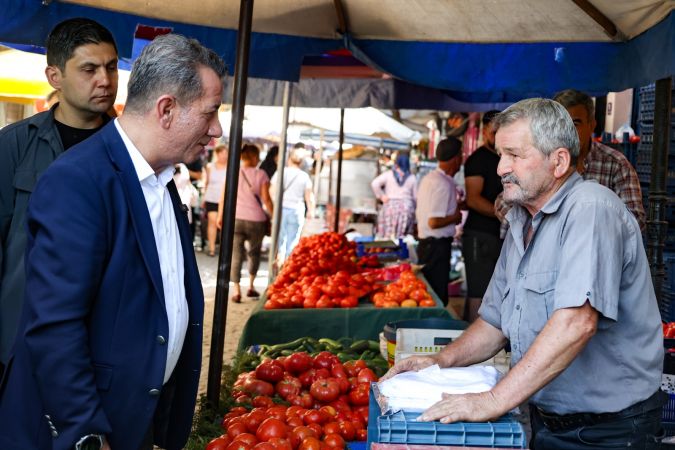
[[397, 190], [297, 191]]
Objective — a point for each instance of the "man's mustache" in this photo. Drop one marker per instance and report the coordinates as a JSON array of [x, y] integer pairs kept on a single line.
[[510, 178]]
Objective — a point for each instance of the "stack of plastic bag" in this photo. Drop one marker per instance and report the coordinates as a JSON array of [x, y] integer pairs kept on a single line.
[[417, 391]]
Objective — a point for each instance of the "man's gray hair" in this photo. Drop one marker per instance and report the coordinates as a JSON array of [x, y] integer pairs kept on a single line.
[[550, 125], [170, 65]]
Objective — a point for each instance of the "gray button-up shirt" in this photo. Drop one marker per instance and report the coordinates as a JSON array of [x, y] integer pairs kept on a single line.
[[585, 245]]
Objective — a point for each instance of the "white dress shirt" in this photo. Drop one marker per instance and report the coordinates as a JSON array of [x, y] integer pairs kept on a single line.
[[436, 197], [169, 250]]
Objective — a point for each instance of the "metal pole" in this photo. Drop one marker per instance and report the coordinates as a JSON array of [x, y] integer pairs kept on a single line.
[[276, 219], [230, 205], [319, 167], [657, 226], [339, 174]]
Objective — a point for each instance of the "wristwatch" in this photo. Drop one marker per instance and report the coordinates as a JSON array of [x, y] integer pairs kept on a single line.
[[90, 442]]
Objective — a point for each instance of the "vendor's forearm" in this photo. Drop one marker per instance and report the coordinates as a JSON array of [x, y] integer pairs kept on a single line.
[[564, 336], [440, 222], [479, 342]]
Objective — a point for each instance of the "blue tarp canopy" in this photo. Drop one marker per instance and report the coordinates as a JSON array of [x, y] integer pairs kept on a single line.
[[479, 51]]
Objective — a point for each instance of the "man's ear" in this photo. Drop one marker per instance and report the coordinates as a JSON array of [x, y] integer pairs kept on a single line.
[[561, 162], [54, 76], [165, 108]]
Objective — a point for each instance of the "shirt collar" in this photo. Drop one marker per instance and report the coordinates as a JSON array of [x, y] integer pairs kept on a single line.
[[143, 169]]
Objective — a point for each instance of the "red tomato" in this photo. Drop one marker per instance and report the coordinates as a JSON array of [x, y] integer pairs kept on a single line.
[[324, 302], [359, 395], [264, 446], [246, 437], [219, 443], [271, 428], [298, 362], [294, 421], [328, 410], [253, 420], [269, 370], [317, 428], [366, 376], [236, 429], [334, 440], [362, 435], [303, 400], [354, 367], [258, 387], [281, 443], [294, 411], [347, 430], [325, 360], [287, 387], [262, 401], [278, 412], [239, 445], [310, 443], [331, 428], [314, 416], [299, 434], [362, 412], [325, 390]]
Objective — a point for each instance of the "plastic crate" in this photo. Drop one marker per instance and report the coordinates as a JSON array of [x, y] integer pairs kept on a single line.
[[394, 251], [669, 261], [401, 428]]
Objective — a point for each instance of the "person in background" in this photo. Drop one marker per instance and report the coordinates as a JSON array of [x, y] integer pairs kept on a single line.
[[82, 69], [186, 191], [213, 191], [397, 190], [297, 191], [251, 219], [596, 161], [481, 243], [109, 350], [437, 213], [269, 164], [572, 292]]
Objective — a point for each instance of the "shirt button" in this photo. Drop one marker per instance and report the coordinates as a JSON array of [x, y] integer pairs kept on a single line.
[[518, 307], [55, 433], [161, 340], [154, 392], [521, 274]]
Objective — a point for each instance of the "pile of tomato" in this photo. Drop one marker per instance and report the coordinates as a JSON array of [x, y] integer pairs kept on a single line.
[[408, 291], [325, 405], [322, 272]]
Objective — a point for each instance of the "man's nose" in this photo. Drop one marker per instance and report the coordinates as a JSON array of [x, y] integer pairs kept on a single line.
[[215, 129], [503, 167]]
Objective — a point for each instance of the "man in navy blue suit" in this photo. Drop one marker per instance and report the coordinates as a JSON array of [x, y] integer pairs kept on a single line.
[[108, 353]]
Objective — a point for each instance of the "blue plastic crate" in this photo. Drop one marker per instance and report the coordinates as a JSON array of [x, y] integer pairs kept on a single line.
[[669, 409], [400, 252], [669, 261], [401, 428]]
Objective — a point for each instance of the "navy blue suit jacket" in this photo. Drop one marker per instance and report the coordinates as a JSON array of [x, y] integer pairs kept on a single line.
[[91, 349]]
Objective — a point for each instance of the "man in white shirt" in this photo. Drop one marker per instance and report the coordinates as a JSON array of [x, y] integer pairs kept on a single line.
[[108, 353], [437, 213]]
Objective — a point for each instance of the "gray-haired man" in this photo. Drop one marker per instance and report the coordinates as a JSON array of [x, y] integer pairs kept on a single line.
[[572, 292]]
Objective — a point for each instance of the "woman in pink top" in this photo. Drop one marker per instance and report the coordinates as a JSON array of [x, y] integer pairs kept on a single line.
[[397, 190], [250, 223]]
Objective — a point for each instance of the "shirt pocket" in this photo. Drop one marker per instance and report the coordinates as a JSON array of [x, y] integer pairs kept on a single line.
[[539, 298]]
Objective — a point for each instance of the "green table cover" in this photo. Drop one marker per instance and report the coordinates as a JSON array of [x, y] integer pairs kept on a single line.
[[363, 322]]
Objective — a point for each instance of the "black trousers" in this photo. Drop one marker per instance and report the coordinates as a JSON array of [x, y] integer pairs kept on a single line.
[[636, 427], [434, 253]]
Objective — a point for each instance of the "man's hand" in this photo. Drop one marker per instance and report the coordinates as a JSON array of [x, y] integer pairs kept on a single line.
[[106, 446], [479, 407], [413, 363]]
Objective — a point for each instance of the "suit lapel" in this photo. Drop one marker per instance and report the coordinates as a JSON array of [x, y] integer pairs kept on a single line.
[[138, 208]]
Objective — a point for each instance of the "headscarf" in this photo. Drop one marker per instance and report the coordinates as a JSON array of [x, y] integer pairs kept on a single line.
[[402, 169]]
